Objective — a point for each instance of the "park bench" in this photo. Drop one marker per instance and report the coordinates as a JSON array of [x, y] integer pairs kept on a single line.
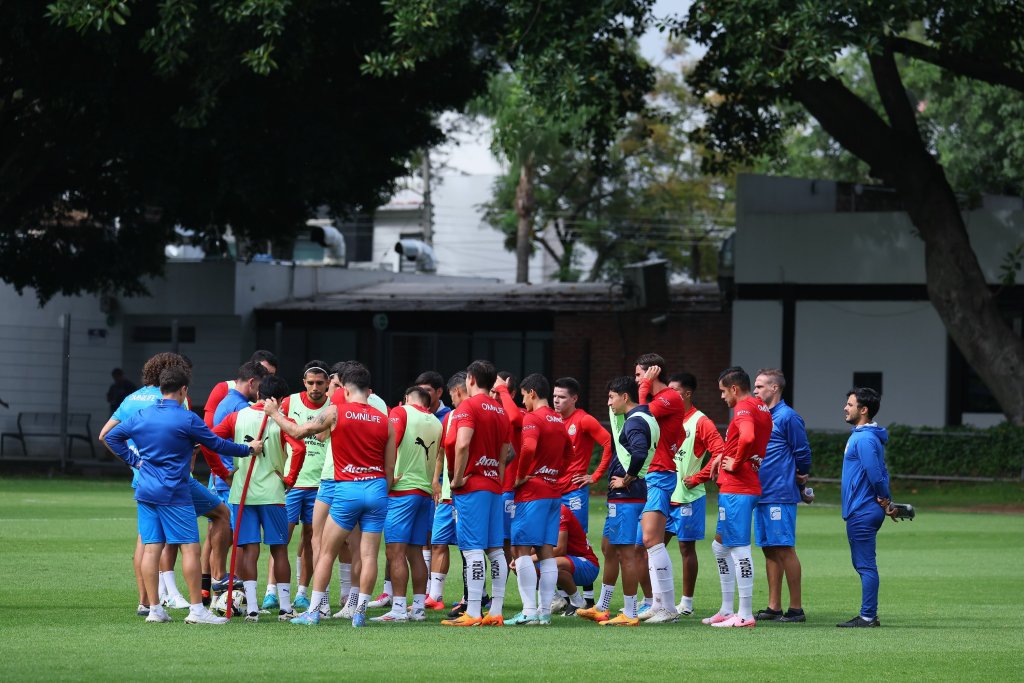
[[47, 425]]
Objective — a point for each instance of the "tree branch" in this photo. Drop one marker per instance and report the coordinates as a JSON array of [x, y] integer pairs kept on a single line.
[[893, 94], [996, 74]]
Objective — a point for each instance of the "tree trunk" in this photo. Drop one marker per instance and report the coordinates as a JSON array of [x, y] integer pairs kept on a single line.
[[525, 208]]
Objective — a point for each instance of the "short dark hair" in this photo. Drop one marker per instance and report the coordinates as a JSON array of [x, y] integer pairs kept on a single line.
[[866, 398], [431, 378], [273, 386], [320, 366], [357, 376], [648, 359], [774, 374], [419, 396], [263, 355], [457, 380], [483, 372], [251, 369], [685, 379], [173, 378], [570, 384], [625, 385], [735, 376], [537, 382]]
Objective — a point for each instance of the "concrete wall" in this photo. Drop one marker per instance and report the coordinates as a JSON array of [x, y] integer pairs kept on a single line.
[[756, 335]]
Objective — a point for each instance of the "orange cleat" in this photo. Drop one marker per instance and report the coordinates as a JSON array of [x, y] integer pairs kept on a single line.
[[593, 614], [621, 620], [497, 620], [430, 603], [463, 620]]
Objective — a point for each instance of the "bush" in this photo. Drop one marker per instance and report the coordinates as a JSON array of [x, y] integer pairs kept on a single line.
[[996, 452]]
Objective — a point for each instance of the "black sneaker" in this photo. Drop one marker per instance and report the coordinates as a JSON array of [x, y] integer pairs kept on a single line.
[[570, 610], [860, 622], [458, 609], [793, 616], [768, 614]]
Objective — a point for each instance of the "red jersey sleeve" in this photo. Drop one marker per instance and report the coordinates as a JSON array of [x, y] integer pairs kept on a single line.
[[563, 520], [226, 428], [744, 422], [399, 420], [591, 426], [298, 456], [644, 390], [217, 394], [214, 462], [707, 439], [531, 435], [515, 416]]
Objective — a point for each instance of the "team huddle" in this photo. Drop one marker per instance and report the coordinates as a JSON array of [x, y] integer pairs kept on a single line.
[[505, 482]]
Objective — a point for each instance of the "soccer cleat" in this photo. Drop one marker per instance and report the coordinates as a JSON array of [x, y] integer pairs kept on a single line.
[[345, 612], [683, 612], [270, 602], [176, 602], [768, 614], [558, 604], [593, 614], [645, 612], [283, 615], [418, 615], [715, 618], [301, 602], [663, 616], [570, 610], [621, 620], [392, 616], [544, 619], [735, 621], [792, 616], [252, 617], [431, 603], [307, 618], [221, 584], [857, 622], [496, 620], [204, 617], [142, 611], [463, 620], [382, 600], [522, 619], [458, 609], [159, 617], [359, 620]]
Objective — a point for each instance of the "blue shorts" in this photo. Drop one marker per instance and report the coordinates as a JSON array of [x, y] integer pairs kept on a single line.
[[660, 487], [775, 525], [443, 530], [584, 572], [578, 502], [168, 523], [508, 509], [325, 493], [735, 512], [203, 499], [482, 525], [622, 522], [687, 520], [360, 502], [409, 519], [535, 522], [272, 518], [300, 505]]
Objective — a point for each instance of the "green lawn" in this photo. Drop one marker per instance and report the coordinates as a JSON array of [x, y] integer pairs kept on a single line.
[[951, 597]]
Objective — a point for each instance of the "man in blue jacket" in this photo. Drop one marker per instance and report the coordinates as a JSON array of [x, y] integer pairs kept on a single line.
[[866, 500], [165, 434]]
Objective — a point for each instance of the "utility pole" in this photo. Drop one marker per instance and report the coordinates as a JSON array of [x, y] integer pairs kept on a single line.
[[428, 207]]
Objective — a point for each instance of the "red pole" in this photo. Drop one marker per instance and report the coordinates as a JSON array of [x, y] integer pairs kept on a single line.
[[230, 611]]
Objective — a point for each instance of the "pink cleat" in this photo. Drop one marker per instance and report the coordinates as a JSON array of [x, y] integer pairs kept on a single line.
[[716, 618], [735, 621]]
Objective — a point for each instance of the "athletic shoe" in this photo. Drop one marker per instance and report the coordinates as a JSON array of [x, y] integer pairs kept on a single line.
[[662, 616], [359, 619], [270, 601], [589, 602], [431, 603], [683, 612], [345, 612], [522, 619], [735, 621], [463, 620], [391, 616], [768, 614], [307, 618], [301, 602], [418, 615], [325, 610], [177, 602], [252, 617], [716, 618], [645, 612], [142, 611], [221, 584], [458, 609], [857, 622], [286, 616], [159, 616], [382, 600], [496, 620], [593, 614], [570, 610], [558, 604], [621, 620], [793, 616], [204, 617], [544, 619]]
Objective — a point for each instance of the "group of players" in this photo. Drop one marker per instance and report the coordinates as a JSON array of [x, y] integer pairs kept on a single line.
[[508, 484]]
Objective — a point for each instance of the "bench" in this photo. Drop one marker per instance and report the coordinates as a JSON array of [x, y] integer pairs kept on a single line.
[[43, 425]]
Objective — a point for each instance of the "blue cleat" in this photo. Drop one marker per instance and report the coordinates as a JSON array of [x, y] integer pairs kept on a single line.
[[359, 619], [270, 601], [522, 619], [307, 619], [301, 602]]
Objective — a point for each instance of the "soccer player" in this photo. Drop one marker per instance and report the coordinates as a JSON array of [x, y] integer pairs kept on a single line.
[[577, 563], [363, 449], [501, 392], [635, 434], [746, 441], [164, 434], [303, 407], [689, 503], [584, 431], [866, 498], [667, 408], [410, 502], [265, 500], [787, 459], [265, 358], [546, 450], [433, 382], [476, 469]]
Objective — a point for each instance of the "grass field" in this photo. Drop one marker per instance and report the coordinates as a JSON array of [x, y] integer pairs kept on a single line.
[[950, 605]]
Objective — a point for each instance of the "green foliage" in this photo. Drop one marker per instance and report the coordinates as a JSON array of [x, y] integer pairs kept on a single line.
[[996, 452]]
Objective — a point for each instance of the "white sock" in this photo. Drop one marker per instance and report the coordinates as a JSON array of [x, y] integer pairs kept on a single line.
[[475, 568], [298, 565], [426, 557], [605, 603], [726, 575], [345, 579], [419, 601], [271, 589], [303, 590], [660, 564], [361, 602], [250, 596], [687, 603], [648, 601], [548, 581], [317, 600], [284, 596], [156, 609], [629, 609], [576, 599], [744, 564], [353, 597], [388, 588], [562, 594], [499, 579], [526, 576], [398, 605], [657, 604], [172, 584], [437, 585], [162, 585], [588, 595]]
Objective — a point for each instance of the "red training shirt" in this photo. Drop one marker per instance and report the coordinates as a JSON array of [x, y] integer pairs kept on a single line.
[[358, 441], [578, 544], [546, 451], [752, 418], [491, 430], [667, 408], [515, 420], [584, 431]]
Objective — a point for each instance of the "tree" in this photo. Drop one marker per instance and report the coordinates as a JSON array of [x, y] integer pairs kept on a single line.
[[762, 56]]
